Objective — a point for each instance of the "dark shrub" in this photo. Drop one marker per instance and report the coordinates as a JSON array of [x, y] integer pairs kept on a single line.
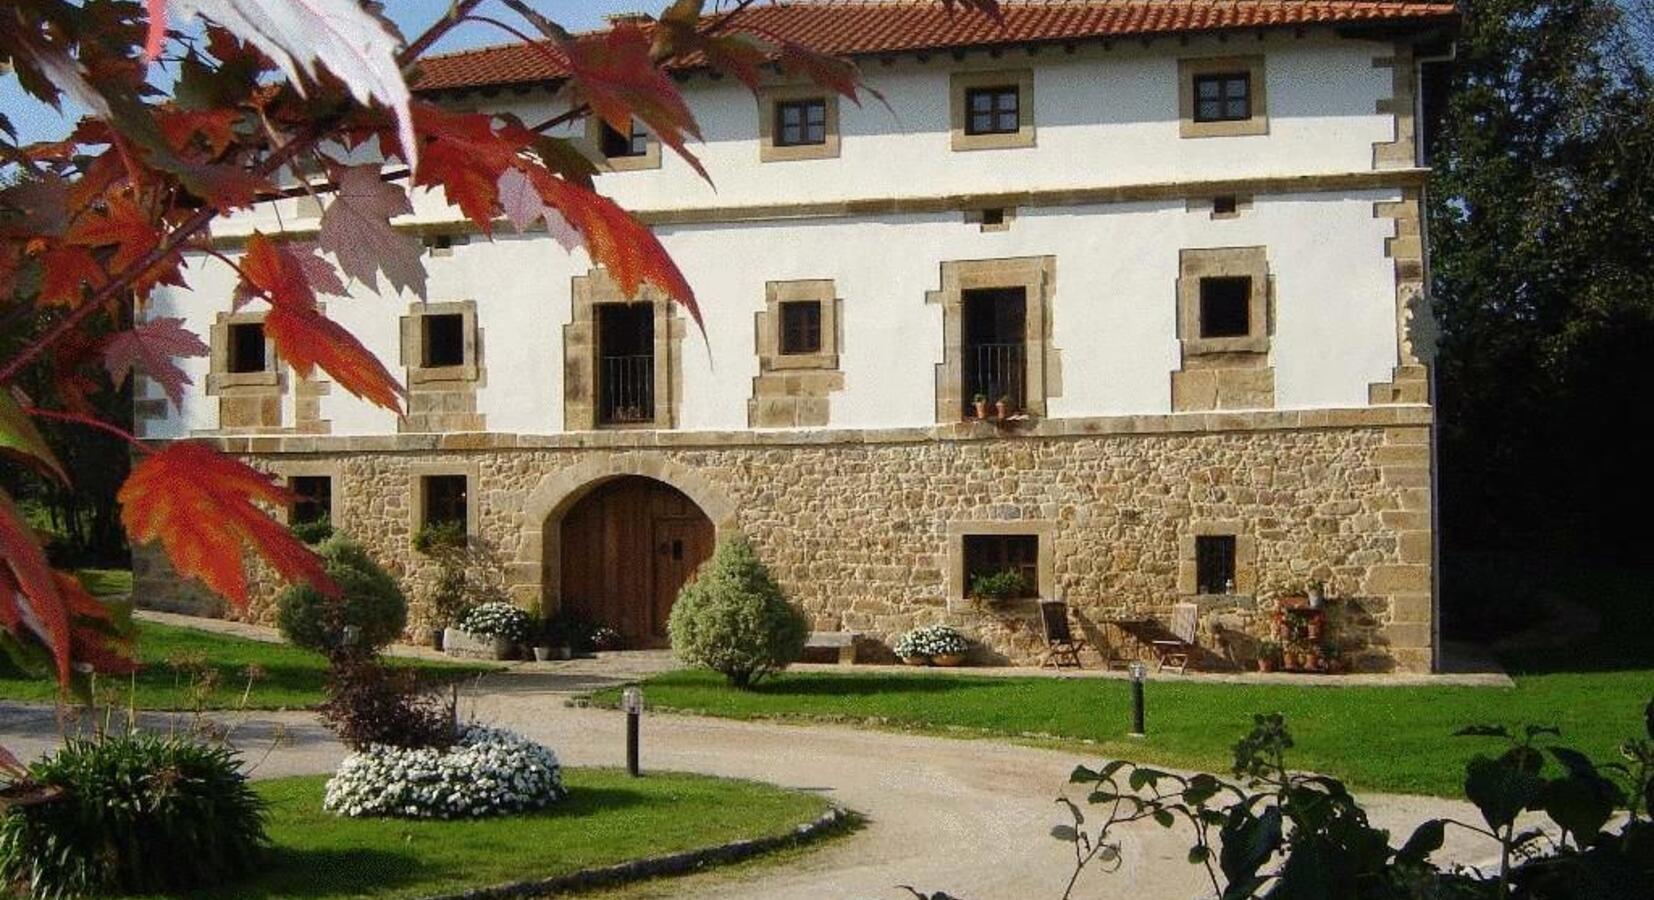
[[369, 703], [371, 601], [733, 619], [313, 532], [139, 814]]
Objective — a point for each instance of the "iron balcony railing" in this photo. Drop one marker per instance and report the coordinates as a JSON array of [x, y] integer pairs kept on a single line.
[[996, 371], [626, 389]]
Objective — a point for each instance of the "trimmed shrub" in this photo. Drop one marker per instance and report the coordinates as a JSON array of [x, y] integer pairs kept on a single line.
[[487, 772], [368, 703], [733, 619], [371, 601], [139, 814]]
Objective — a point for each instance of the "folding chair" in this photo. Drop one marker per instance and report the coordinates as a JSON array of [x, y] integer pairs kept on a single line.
[[1062, 648]]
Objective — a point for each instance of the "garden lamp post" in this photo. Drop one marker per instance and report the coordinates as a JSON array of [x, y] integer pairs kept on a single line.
[[631, 700], [1139, 675]]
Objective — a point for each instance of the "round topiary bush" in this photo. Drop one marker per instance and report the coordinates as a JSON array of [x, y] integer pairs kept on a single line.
[[733, 619], [487, 772], [370, 600], [138, 814]]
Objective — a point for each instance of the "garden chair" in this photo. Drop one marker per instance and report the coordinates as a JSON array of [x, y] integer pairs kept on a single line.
[[1062, 648], [1174, 647]]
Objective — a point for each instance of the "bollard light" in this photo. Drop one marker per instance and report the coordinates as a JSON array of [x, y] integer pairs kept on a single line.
[[631, 700], [1139, 675]]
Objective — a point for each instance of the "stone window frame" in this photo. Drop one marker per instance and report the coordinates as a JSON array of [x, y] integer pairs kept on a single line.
[[1208, 205], [1190, 67], [769, 150], [594, 141], [418, 472], [580, 348], [820, 291], [412, 328], [1246, 555], [220, 377], [979, 217], [1037, 276], [961, 82], [1043, 529], [334, 470], [1196, 264]]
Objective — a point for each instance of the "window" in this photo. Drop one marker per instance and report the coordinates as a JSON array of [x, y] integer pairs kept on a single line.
[[991, 554], [626, 363], [994, 215], [995, 348], [1225, 307], [1215, 564], [247, 350], [1224, 205], [1223, 97], [312, 498], [800, 327], [446, 500], [992, 110], [801, 123], [618, 146], [444, 340]]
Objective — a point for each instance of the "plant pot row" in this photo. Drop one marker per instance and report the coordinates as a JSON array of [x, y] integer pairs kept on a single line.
[[461, 643]]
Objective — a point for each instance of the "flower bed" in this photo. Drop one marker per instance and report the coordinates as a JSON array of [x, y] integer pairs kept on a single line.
[[932, 641], [487, 772]]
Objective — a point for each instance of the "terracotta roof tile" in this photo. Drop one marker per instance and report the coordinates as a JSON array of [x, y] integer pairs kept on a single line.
[[863, 28]]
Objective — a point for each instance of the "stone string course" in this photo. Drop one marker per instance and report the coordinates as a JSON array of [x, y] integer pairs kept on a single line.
[[857, 532]]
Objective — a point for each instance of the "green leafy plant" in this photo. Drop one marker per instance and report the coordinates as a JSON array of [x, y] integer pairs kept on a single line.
[[370, 601], [1006, 584], [732, 618], [433, 538], [314, 531], [137, 813]]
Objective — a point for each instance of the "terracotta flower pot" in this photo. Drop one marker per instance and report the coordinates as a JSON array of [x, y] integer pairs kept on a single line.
[[1001, 408], [981, 409], [1266, 665], [949, 659], [916, 660]]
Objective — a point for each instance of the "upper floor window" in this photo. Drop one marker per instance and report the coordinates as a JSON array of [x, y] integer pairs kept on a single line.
[[992, 110], [616, 144], [996, 350], [1225, 307], [622, 151], [1223, 97], [247, 352], [626, 363], [800, 327], [444, 340], [801, 122]]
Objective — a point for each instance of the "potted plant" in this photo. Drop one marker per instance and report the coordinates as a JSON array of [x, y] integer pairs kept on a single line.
[[980, 401], [998, 587], [489, 630], [1002, 406], [940, 644], [605, 638], [908, 648], [1269, 656], [557, 636], [1333, 655]]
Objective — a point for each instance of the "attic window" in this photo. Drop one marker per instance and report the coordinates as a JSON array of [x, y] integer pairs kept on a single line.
[[1224, 205], [617, 145], [993, 216]]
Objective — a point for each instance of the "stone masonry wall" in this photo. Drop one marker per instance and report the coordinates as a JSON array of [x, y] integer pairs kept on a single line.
[[858, 532]]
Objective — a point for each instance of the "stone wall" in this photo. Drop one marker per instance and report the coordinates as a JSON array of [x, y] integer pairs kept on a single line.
[[859, 527]]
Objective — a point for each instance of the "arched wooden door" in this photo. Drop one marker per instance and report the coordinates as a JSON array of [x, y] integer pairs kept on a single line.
[[627, 547]]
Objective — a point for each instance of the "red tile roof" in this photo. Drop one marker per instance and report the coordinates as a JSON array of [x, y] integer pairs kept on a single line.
[[871, 28]]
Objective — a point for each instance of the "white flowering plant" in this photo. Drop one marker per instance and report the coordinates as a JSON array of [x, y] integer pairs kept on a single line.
[[497, 619], [932, 640], [487, 772]]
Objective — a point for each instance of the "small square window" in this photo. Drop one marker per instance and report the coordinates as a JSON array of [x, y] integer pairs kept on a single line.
[[801, 123], [800, 327], [1224, 205], [247, 351], [993, 556], [1225, 307], [445, 500], [444, 340], [994, 215], [992, 110], [616, 145], [1215, 564], [312, 498], [1223, 97]]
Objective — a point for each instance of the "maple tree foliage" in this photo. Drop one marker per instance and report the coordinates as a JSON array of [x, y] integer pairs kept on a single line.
[[271, 99]]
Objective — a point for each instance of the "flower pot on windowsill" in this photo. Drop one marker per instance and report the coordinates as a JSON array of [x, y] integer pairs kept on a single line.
[[1266, 665], [916, 660], [463, 644], [981, 407], [949, 659]]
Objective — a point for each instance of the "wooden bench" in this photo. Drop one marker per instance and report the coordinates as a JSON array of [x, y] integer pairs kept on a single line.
[[842, 641]]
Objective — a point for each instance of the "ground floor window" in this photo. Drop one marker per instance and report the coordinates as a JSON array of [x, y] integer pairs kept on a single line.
[[1215, 563], [312, 498], [445, 501], [1006, 564]]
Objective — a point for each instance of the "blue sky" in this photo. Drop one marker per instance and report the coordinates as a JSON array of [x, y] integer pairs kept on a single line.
[[37, 122]]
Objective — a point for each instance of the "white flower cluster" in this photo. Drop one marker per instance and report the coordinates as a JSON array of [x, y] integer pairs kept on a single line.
[[496, 619], [932, 640], [488, 772]]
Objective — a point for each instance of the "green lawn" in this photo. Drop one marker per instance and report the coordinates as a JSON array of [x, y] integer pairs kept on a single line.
[[1376, 738], [607, 818], [288, 676], [106, 582]]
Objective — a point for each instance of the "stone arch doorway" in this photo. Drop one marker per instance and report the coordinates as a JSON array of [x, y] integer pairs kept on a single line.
[[626, 547]]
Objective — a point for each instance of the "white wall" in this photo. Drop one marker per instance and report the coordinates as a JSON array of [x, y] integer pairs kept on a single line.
[[1113, 311]]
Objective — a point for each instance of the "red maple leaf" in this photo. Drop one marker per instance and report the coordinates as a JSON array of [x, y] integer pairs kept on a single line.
[[200, 506], [303, 336], [151, 346], [356, 229], [615, 75], [133, 234], [30, 600], [465, 155], [64, 269]]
